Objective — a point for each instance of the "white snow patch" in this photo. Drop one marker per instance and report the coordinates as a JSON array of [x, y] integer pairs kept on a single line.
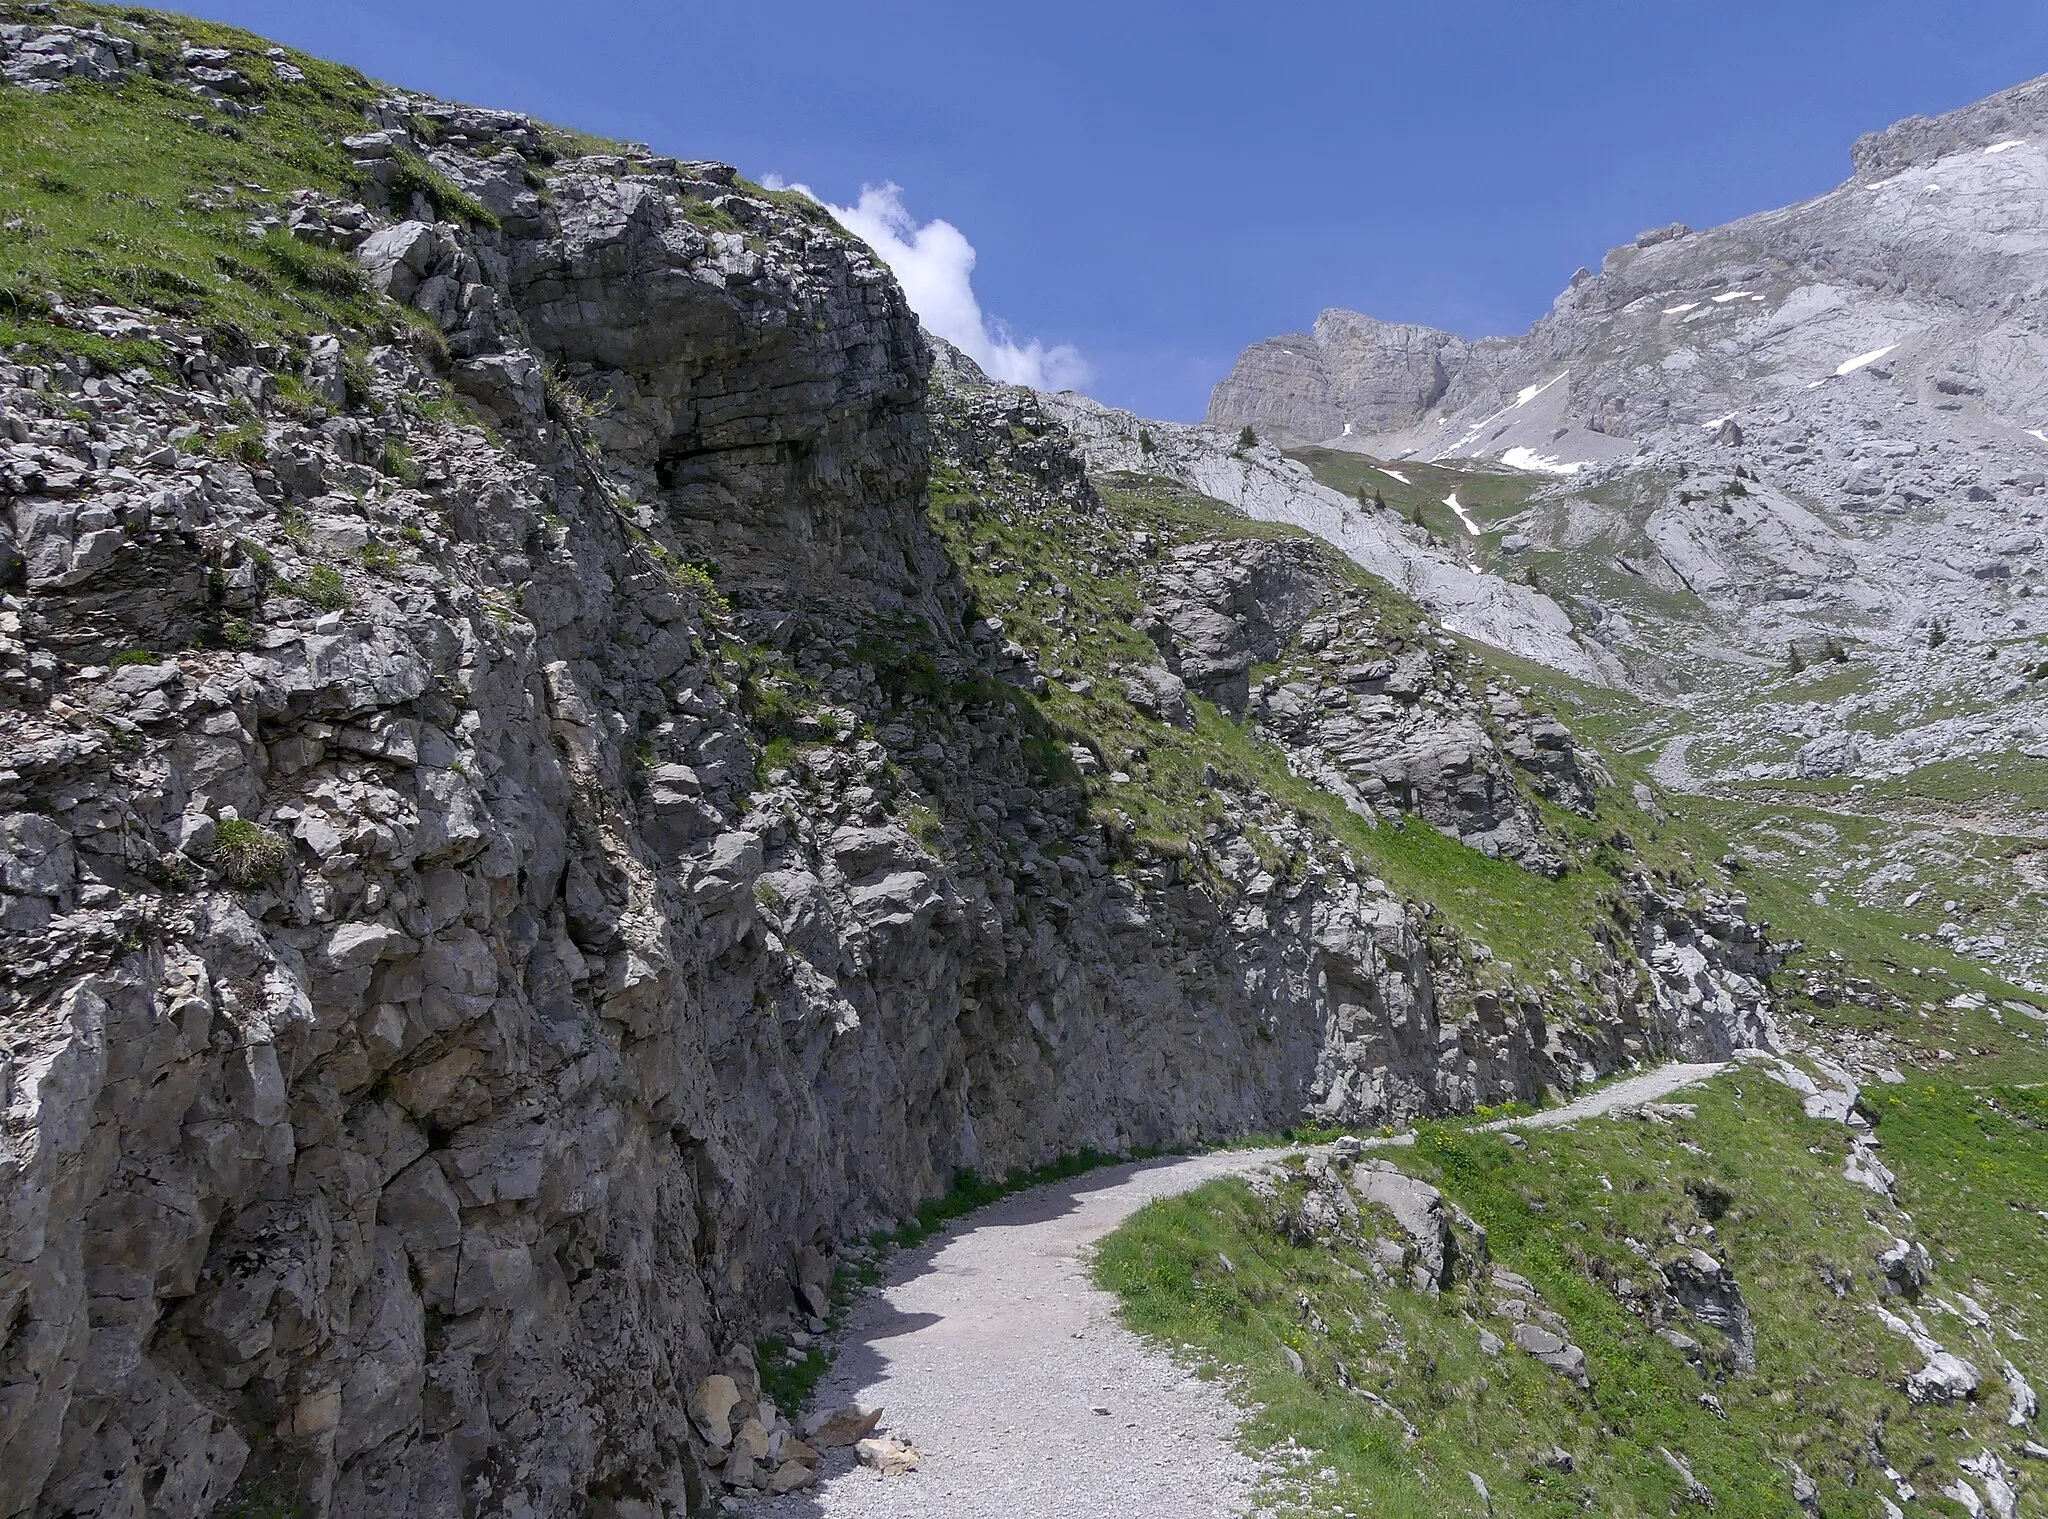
[[1393, 474], [2007, 146], [1729, 295], [1527, 394], [2035, 432], [1715, 424], [1463, 516], [1681, 307], [1863, 360], [1528, 458], [1347, 430]]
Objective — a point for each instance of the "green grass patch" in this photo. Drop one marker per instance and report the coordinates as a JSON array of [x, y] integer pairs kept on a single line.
[[248, 854], [323, 588], [1584, 1213]]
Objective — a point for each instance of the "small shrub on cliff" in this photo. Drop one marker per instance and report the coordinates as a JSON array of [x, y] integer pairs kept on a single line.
[[323, 588], [247, 854], [244, 442], [378, 558], [569, 402], [397, 462], [1247, 438], [694, 578]]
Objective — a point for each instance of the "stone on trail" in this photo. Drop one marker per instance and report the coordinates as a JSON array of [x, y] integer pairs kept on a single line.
[[892, 1458], [842, 1426], [741, 1472]]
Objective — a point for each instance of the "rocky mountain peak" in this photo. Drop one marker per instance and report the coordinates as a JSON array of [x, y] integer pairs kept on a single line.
[[1350, 373], [2018, 113]]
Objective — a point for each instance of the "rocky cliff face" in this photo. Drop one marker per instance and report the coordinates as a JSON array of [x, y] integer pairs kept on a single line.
[[1350, 373], [521, 824]]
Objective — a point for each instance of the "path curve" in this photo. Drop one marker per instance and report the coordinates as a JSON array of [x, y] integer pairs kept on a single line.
[[1629, 1092], [1672, 768], [990, 1348]]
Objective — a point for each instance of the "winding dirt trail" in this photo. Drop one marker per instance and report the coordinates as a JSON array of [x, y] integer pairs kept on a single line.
[[992, 1351]]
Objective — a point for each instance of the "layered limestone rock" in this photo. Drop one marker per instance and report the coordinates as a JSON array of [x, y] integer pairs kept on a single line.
[[1350, 373], [1266, 484], [488, 903]]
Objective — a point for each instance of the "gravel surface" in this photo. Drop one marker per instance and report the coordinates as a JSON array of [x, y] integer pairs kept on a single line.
[[990, 1349], [1629, 1092]]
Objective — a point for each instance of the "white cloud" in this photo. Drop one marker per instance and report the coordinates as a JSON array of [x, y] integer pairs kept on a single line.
[[935, 264]]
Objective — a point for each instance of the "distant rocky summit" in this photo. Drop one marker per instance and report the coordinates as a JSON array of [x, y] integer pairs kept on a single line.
[[1923, 263], [1350, 374]]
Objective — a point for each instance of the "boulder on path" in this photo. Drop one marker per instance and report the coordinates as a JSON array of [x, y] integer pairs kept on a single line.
[[847, 1425], [892, 1458]]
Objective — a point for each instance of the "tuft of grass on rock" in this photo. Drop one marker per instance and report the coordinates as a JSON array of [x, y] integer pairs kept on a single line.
[[248, 854]]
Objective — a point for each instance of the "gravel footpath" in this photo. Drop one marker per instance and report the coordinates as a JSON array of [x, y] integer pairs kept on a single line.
[[991, 1350], [1629, 1092]]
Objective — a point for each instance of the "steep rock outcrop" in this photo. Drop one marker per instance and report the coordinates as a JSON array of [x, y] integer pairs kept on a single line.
[[1351, 372]]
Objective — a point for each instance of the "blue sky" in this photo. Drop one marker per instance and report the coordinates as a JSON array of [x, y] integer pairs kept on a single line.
[[1159, 184]]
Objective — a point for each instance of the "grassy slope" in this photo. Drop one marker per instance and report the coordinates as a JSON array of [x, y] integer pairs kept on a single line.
[[1967, 1133], [141, 195], [1828, 1373], [1014, 560], [1498, 501]]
